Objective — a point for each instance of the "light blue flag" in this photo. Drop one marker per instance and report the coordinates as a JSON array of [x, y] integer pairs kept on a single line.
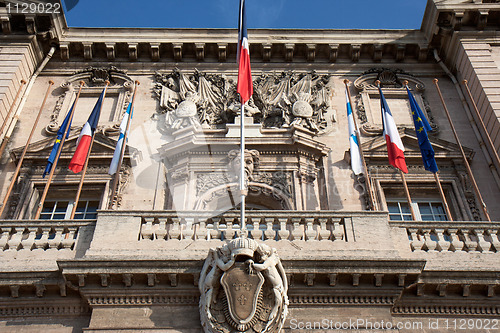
[[123, 127]]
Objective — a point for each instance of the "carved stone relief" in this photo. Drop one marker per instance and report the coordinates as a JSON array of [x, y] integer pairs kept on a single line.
[[391, 79], [279, 100], [120, 84], [243, 288]]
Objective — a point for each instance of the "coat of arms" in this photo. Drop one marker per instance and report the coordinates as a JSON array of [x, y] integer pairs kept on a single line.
[[243, 288]]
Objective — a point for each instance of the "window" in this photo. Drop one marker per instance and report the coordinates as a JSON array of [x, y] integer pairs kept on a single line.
[[425, 210], [60, 201], [61, 209]]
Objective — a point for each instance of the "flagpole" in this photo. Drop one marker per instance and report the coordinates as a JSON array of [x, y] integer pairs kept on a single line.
[[401, 173], [122, 150], [435, 173], [12, 107], [466, 162], [5, 139], [56, 159], [490, 142], [80, 185], [443, 198], [367, 176], [21, 158], [243, 189], [407, 193]]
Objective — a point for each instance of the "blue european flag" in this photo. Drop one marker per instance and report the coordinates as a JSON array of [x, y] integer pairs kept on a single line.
[[421, 128], [60, 134]]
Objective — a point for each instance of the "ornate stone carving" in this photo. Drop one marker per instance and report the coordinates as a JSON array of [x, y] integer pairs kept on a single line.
[[389, 78], [291, 98], [252, 158], [206, 181], [124, 180], [361, 111], [243, 288], [93, 77], [278, 100], [279, 179]]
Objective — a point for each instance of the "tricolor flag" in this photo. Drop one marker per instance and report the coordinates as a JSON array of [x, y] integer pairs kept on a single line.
[[123, 128], [395, 148], [60, 134], [244, 87], [421, 128], [83, 143], [356, 164]]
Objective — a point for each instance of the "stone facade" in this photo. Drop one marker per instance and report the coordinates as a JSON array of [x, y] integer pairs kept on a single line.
[[136, 267]]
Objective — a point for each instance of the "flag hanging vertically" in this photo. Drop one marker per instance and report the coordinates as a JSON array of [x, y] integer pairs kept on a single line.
[[421, 128], [395, 148], [244, 87], [123, 127], [83, 143], [356, 162], [60, 134]]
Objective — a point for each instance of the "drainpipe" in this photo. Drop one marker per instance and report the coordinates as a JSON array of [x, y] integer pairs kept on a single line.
[[472, 122], [15, 118]]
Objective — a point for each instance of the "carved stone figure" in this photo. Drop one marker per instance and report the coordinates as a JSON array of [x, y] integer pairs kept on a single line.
[[253, 297], [252, 158]]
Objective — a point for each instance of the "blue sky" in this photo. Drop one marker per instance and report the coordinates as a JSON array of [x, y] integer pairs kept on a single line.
[[314, 14]]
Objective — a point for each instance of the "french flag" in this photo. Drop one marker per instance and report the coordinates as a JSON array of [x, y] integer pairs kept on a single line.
[[85, 138], [244, 87], [395, 148]]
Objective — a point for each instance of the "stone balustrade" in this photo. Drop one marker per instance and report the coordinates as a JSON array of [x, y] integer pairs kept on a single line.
[[262, 225], [472, 237], [33, 235]]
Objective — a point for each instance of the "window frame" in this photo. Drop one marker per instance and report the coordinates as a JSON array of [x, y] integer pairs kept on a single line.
[[416, 209]]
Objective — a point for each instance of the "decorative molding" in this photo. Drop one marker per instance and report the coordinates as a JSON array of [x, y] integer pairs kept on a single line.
[[43, 309], [347, 299], [142, 300], [94, 77], [492, 310], [391, 79]]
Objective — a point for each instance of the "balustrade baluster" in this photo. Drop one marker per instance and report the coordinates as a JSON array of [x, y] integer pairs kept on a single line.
[[283, 232], [4, 238], [323, 233], [255, 232], [269, 233], [161, 232], [443, 245], [456, 243], [338, 230], [15, 239], [416, 242], [494, 234], [42, 238], [29, 239], [430, 244], [483, 240], [470, 240], [174, 232], [147, 228], [309, 232], [297, 231]]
